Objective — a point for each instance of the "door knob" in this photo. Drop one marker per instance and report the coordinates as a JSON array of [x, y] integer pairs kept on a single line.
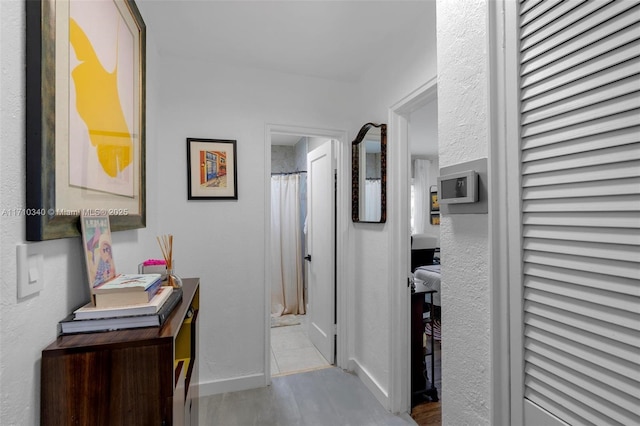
[[308, 258]]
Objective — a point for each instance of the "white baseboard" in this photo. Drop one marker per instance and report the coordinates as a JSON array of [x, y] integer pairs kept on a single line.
[[231, 385], [372, 384]]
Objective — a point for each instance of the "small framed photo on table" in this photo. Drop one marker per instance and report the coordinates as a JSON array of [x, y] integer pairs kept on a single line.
[[211, 169]]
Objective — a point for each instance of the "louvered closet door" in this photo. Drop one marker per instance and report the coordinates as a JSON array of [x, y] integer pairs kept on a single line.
[[580, 175]]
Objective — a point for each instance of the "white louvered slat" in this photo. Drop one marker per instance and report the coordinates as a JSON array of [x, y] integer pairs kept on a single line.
[[583, 338], [580, 203], [564, 27], [601, 188], [607, 267], [569, 46], [595, 127], [543, 18], [586, 249], [554, 77], [589, 302], [611, 92], [617, 105], [528, 5], [601, 235], [591, 158], [627, 169], [607, 77], [608, 204], [583, 400], [563, 406], [613, 403], [539, 10], [627, 287], [623, 383], [605, 359], [567, 398], [594, 219], [580, 393], [590, 143], [589, 324]]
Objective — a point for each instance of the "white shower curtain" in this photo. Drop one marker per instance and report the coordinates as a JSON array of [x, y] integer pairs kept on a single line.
[[287, 287], [421, 195], [373, 195]]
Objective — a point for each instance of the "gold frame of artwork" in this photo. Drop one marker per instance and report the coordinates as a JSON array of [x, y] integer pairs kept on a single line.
[[53, 205]]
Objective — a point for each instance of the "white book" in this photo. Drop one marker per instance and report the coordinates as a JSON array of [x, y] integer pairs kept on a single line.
[[89, 311]]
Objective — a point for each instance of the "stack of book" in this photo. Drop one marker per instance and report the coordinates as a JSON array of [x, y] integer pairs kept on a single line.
[[126, 289], [154, 313], [118, 301]]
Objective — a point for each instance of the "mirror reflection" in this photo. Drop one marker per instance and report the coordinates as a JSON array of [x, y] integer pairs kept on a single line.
[[369, 174]]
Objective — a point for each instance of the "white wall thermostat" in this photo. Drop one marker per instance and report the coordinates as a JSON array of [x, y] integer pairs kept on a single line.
[[458, 188], [463, 188]]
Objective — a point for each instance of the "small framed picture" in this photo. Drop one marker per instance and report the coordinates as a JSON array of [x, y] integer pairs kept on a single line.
[[435, 205], [212, 169]]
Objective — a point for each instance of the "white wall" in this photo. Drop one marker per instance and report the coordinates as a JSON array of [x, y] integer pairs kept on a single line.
[[224, 238], [28, 325], [423, 144], [397, 73], [423, 130], [222, 242], [464, 135]]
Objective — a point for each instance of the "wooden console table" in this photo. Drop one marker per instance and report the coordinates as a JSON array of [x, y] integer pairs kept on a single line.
[[138, 376]]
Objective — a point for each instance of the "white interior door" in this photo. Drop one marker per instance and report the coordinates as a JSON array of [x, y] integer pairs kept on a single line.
[[321, 248], [580, 212]]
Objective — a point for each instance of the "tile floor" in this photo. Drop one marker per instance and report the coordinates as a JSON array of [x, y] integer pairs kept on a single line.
[[292, 351]]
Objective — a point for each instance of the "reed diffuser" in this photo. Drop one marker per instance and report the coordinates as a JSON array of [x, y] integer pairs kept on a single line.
[[166, 246]]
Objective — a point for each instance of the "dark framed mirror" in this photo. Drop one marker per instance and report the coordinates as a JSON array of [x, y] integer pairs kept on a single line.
[[369, 174]]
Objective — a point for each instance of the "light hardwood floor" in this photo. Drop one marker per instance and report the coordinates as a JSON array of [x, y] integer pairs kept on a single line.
[[322, 397], [326, 397]]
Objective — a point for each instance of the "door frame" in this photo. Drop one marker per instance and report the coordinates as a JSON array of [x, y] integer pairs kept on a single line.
[[343, 216], [506, 342], [507, 385], [398, 169], [505, 246]]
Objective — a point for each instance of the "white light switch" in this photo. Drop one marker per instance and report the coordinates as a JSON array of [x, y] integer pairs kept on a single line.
[[33, 274], [30, 271]]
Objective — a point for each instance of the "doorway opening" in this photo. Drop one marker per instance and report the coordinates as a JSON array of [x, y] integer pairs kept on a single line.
[[426, 372], [292, 350], [404, 117], [297, 331]]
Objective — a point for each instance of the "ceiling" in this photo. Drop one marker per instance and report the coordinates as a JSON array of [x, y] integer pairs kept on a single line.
[[336, 40], [330, 39]]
